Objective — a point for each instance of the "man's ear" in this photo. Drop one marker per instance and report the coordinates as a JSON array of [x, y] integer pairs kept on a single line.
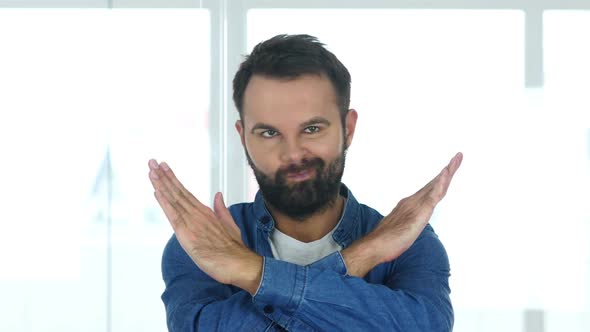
[[240, 129], [350, 123]]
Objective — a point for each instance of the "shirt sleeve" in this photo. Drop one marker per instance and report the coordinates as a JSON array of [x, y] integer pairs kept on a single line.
[[196, 302], [414, 297], [334, 262], [319, 297]]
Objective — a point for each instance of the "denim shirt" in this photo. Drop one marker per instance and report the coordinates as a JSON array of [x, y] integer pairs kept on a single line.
[[410, 293]]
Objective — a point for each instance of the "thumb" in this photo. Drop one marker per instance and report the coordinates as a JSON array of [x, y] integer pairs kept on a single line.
[[219, 207], [222, 212]]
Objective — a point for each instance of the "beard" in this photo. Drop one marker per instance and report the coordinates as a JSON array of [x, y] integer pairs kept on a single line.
[[302, 199]]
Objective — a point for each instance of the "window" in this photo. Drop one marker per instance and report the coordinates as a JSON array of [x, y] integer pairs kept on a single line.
[[88, 96], [428, 83]]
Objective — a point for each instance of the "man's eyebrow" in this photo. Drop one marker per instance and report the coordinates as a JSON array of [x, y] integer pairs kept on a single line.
[[312, 121], [315, 120], [261, 125]]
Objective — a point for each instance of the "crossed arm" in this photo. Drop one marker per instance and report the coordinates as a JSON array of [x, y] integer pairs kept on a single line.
[[214, 247], [318, 297]]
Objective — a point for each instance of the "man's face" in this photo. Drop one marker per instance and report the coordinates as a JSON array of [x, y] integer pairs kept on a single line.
[[294, 141]]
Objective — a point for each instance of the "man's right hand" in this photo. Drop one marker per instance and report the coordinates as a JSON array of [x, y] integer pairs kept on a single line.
[[399, 229]]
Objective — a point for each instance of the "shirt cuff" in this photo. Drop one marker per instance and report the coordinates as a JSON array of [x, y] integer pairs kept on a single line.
[[333, 261], [281, 286]]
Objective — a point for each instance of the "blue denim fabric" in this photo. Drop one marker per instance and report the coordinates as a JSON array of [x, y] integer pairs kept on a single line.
[[408, 294]]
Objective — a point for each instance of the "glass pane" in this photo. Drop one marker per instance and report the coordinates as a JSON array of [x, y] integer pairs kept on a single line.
[[567, 69], [414, 72], [161, 111], [566, 105], [52, 128], [567, 48], [426, 84], [88, 96]]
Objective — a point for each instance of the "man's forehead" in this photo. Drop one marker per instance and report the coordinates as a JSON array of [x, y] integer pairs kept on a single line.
[[294, 100]]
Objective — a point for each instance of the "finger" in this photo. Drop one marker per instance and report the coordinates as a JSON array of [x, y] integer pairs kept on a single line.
[[429, 186], [153, 164], [453, 166], [435, 190], [172, 214], [153, 173], [195, 214], [178, 190], [156, 180], [448, 173], [219, 207], [222, 212], [455, 163], [156, 175]]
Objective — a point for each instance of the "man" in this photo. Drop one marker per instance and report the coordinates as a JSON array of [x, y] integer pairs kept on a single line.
[[305, 255]]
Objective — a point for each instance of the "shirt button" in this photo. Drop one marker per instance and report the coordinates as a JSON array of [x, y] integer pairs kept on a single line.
[[265, 219], [268, 309]]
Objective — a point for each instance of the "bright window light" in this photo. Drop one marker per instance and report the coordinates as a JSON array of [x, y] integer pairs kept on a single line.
[[88, 97]]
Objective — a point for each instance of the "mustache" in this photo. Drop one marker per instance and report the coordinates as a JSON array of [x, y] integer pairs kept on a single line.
[[316, 163]]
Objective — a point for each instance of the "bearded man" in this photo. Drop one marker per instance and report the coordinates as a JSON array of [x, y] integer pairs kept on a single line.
[[305, 255]]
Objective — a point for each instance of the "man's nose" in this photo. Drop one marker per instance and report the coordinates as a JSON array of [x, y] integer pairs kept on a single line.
[[292, 151]]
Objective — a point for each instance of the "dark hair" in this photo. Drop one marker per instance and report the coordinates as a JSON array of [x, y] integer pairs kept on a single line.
[[288, 57]]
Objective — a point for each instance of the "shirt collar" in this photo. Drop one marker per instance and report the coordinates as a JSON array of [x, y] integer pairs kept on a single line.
[[343, 233]]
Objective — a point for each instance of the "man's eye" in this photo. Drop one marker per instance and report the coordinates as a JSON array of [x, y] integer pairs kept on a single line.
[[312, 129], [268, 133]]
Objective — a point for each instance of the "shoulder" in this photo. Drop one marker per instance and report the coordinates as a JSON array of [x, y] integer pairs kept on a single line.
[[370, 215], [427, 251], [369, 218], [246, 218], [242, 213], [357, 219]]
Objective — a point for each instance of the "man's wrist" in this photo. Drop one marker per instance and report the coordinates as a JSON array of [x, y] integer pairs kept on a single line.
[[361, 257], [248, 272]]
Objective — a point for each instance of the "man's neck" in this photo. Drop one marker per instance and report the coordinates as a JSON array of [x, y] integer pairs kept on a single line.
[[313, 228]]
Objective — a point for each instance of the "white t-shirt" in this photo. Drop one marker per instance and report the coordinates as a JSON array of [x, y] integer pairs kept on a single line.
[[291, 250]]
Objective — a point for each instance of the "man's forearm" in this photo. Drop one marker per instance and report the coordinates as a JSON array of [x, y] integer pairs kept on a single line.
[[248, 272], [360, 257]]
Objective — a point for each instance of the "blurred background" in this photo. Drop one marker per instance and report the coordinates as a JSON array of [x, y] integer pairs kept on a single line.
[[91, 90]]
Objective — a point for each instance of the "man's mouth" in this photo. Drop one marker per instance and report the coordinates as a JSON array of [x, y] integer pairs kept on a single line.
[[301, 175]]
